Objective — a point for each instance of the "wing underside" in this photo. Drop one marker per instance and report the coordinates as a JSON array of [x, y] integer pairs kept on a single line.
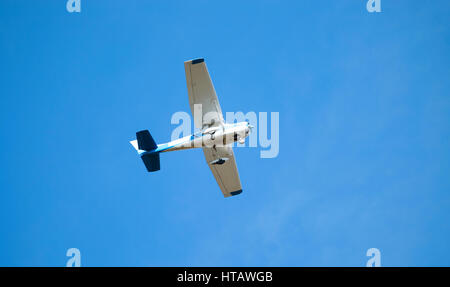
[[220, 159], [201, 92], [226, 174]]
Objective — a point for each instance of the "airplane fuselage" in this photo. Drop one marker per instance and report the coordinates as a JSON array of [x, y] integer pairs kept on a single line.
[[217, 136]]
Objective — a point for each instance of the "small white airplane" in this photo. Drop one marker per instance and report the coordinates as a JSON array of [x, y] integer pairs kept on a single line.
[[215, 137]]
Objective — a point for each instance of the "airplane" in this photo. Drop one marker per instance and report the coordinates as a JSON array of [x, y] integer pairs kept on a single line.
[[215, 136]]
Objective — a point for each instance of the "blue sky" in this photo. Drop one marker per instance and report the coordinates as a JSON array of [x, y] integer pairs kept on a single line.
[[364, 109]]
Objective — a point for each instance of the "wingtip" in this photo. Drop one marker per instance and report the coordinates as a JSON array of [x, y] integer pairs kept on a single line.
[[233, 193], [196, 61]]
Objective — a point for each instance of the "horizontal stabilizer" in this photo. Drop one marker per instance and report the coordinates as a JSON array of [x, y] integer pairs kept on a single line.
[[151, 161], [145, 141]]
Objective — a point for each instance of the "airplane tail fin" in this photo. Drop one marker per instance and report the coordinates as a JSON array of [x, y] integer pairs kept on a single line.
[[146, 143]]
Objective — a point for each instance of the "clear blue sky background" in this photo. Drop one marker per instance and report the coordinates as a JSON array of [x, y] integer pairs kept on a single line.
[[364, 133]]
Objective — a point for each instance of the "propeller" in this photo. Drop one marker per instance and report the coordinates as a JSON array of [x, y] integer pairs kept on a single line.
[[249, 125]]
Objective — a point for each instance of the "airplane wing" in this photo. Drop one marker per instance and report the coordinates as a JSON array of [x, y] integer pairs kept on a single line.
[[226, 174], [201, 91]]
